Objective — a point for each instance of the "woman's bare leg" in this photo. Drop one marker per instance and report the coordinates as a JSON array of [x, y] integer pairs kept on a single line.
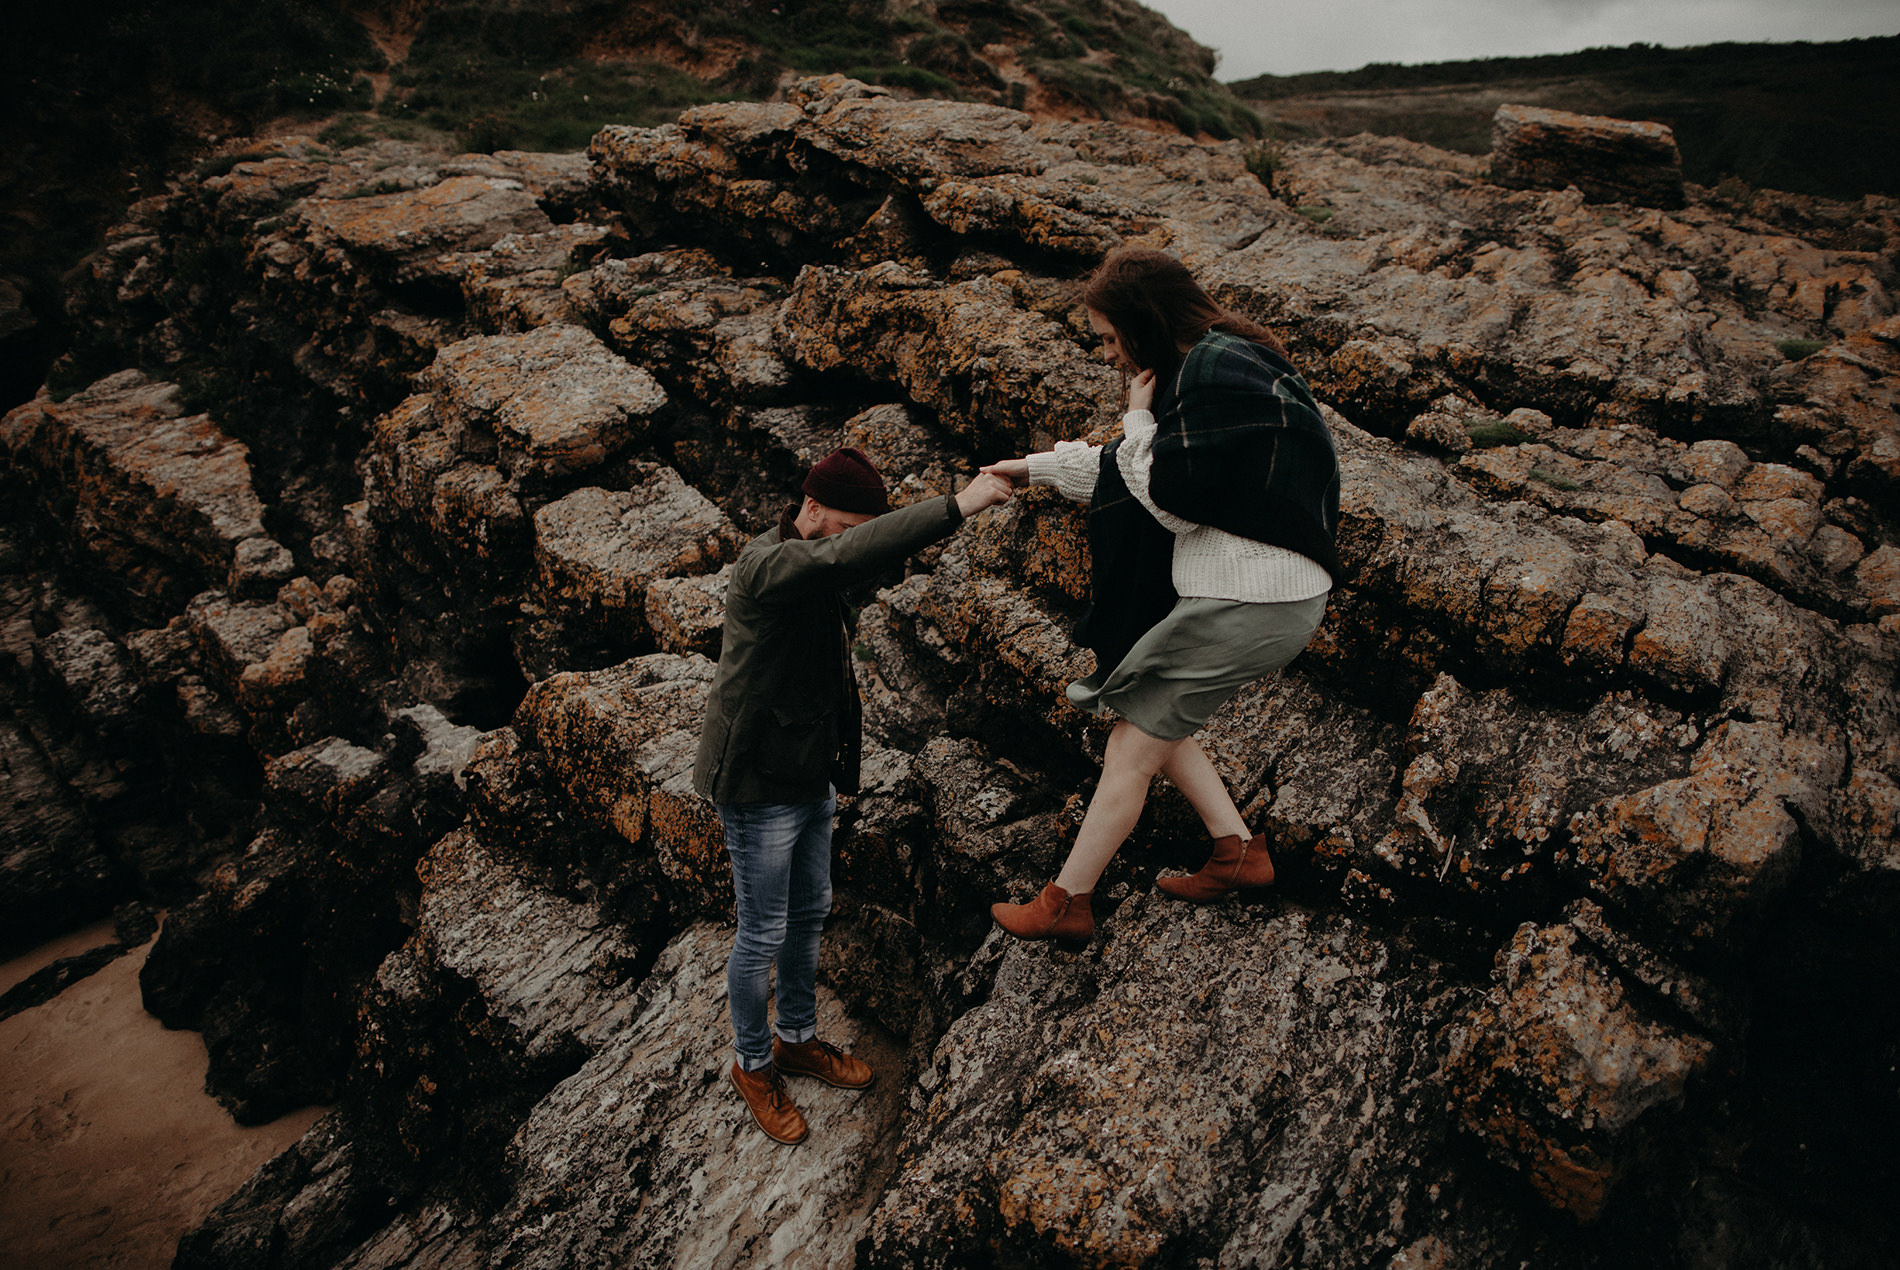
[[1129, 765], [1193, 774]]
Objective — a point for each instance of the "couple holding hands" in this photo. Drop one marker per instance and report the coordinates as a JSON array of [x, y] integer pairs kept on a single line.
[[1211, 526]]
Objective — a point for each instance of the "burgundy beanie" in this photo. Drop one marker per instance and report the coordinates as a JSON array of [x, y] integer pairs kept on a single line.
[[846, 481]]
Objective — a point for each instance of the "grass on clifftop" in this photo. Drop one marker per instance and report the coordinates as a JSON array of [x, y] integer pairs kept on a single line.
[[499, 77]]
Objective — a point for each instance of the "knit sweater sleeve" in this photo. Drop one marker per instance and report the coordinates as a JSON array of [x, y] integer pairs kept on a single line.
[[1071, 467], [1135, 458]]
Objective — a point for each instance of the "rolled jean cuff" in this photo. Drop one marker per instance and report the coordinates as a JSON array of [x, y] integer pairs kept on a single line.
[[796, 1036], [753, 1064]]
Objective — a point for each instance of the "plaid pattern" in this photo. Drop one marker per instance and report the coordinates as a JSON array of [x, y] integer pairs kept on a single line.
[[1240, 445]]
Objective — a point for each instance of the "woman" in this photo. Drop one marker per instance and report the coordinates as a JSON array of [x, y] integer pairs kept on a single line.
[[1225, 461]]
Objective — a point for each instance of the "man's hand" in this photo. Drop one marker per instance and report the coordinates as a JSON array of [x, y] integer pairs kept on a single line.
[[986, 489], [1141, 391]]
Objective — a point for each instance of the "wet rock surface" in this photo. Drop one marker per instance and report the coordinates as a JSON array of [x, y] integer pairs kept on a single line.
[[369, 569]]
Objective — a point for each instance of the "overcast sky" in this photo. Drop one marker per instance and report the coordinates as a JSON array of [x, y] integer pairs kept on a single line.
[[1283, 37]]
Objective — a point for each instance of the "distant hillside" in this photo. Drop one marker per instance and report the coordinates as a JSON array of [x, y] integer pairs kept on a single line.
[[102, 100], [1818, 119], [550, 75]]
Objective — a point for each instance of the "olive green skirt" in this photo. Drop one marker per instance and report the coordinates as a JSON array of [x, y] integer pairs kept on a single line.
[[1195, 658]]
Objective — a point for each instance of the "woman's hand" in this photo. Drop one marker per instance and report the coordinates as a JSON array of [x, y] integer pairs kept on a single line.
[[986, 489], [1015, 471], [1141, 391]]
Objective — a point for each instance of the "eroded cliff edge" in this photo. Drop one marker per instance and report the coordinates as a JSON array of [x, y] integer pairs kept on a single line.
[[362, 606]]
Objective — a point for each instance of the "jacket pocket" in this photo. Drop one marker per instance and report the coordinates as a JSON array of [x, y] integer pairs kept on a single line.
[[797, 744]]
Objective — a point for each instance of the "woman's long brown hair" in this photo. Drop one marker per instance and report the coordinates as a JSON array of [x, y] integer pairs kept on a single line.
[[1156, 306]]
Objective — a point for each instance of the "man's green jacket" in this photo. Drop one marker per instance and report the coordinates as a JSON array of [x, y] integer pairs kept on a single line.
[[783, 719]]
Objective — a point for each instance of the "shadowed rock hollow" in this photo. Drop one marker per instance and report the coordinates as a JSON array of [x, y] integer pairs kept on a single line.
[[362, 608]]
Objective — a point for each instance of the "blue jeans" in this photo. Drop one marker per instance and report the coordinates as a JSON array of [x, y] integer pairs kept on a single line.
[[781, 876]]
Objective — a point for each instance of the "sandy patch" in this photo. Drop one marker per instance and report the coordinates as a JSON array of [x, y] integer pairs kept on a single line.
[[19, 968], [110, 1149]]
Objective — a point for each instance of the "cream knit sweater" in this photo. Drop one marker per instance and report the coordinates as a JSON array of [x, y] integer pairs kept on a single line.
[[1209, 563]]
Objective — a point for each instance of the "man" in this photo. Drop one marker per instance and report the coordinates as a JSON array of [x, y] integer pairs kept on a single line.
[[781, 737]]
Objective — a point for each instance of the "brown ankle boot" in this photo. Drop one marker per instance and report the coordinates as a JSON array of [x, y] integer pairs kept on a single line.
[[1237, 862], [1055, 914], [765, 1097], [821, 1059]]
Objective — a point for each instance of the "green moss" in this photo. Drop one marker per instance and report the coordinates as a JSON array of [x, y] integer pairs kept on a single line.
[[1795, 350], [385, 186], [487, 133], [350, 130], [925, 83], [1263, 159], [497, 103], [1495, 432], [1554, 480], [1075, 24], [1318, 215]]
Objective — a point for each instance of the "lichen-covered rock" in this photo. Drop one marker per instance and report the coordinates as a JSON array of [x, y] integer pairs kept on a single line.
[[1613, 160], [597, 551], [1050, 215], [914, 170], [422, 479], [405, 232], [1701, 857], [96, 680], [661, 1082], [330, 776], [656, 1077], [997, 375], [1611, 659], [1510, 776], [1767, 520], [158, 501], [233, 635], [518, 283], [688, 614], [543, 967], [1555, 305], [684, 316], [259, 566], [562, 181], [1211, 1086], [620, 743], [553, 401], [1560, 1072], [444, 747]]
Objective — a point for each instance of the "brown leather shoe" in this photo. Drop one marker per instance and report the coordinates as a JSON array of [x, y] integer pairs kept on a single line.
[[1055, 914], [821, 1059], [1236, 863], [765, 1097]]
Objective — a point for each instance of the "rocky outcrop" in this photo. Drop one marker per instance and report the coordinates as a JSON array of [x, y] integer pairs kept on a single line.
[[1590, 769], [159, 503], [1051, 1119], [56, 874], [1612, 160], [1557, 1070]]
